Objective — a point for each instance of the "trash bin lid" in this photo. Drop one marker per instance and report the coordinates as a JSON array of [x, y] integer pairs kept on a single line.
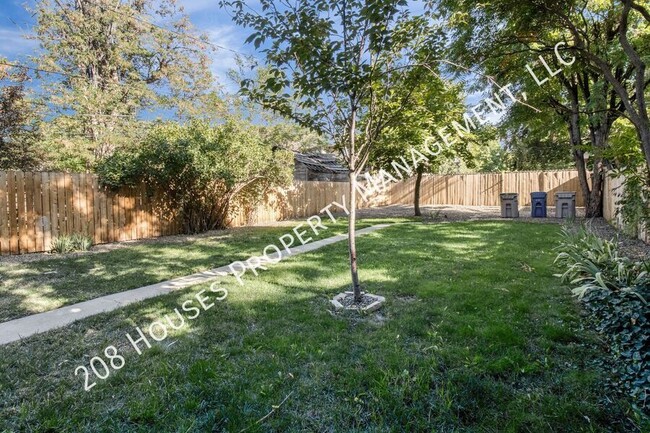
[[508, 195], [538, 195], [565, 194]]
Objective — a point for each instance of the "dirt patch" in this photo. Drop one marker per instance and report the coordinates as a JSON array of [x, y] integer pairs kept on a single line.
[[453, 213], [628, 246]]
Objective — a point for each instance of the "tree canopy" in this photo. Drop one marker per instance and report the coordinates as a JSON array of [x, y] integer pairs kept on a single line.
[[114, 64]]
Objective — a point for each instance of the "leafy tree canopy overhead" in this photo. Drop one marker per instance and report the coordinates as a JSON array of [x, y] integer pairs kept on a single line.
[[20, 123]]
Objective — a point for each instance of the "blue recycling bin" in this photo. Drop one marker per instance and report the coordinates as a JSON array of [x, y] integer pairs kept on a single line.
[[538, 204]]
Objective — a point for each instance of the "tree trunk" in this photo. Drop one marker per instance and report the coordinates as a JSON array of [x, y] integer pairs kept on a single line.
[[352, 245], [583, 180], [352, 221], [599, 134], [593, 196], [644, 136], [416, 198], [595, 208], [578, 154]]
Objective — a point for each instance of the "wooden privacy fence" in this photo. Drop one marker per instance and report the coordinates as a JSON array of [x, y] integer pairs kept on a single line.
[[483, 189], [35, 208]]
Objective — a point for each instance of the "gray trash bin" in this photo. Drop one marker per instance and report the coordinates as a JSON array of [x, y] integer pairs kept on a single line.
[[565, 204], [509, 205]]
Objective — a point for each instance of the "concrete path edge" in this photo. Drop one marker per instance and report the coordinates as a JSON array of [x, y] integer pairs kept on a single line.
[[24, 327]]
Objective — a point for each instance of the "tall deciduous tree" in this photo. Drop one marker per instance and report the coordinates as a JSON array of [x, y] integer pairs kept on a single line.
[[116, 63], [19, 123], [334, 66], [631, 28], [432, 104], [505, 36]]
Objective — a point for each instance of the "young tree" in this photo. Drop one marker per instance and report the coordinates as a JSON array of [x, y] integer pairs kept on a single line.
[[433, 102], [334, 67], [115, 64]]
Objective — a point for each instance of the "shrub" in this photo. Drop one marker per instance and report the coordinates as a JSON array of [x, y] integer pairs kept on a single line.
[[62, 244], [203, 170], [81, 242], [614, 290], [70, 243]]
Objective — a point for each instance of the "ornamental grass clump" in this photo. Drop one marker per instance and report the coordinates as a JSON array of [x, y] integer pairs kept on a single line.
[[70, 243]]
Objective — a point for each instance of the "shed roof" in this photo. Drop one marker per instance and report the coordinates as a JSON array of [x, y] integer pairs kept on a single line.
[[321, 162]]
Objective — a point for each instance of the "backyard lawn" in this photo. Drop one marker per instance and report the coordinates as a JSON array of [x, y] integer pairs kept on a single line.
[[34, 287], [476, 336]]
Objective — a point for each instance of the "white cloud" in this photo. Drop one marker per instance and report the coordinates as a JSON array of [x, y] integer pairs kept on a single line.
[[13, 43], [230, 38]]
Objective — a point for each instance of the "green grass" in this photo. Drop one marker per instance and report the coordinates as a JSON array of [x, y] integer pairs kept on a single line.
[[476, 336], [29, 288]]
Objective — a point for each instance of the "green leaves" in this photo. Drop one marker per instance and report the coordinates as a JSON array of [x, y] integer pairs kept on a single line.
[[203, 169], [327, 62], [595, 264], [115, 64], [614, 290]]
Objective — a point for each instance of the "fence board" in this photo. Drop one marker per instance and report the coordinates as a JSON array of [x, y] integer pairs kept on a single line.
[[37, 213], [74, 209], [30, 229], [46, 211], [61, 227], [612, 192], [4, 215], [12, 209], [103, 220], [54, 205], [95, 220], [21, 209]]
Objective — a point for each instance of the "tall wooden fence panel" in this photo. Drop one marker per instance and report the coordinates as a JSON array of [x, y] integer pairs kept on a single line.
[[303, 199], [36, 208], [483, 189], [612, 191]]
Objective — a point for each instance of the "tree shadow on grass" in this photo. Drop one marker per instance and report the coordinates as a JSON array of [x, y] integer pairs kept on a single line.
[[274, 340], [39, 286]]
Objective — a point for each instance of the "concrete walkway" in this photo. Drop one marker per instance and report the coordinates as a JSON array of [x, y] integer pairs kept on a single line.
[[24, 327]]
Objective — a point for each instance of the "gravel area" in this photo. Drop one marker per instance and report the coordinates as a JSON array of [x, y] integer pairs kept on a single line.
[[456, 213], [630, 247]]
